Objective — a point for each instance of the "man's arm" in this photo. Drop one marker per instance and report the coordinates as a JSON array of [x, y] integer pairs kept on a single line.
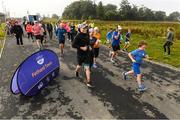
[[148, 58], [131, 57]]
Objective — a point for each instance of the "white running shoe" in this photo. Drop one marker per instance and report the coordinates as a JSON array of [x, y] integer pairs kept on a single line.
[[112, 60], [94, 66], [89, 85]]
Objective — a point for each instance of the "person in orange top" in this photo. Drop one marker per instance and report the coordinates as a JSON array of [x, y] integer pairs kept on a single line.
[[29, 30], [97, 35]]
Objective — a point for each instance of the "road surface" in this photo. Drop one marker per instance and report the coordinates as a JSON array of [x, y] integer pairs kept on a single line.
[[67, 97]]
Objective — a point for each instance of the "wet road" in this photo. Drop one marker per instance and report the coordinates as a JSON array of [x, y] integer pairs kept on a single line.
[[67, 96]]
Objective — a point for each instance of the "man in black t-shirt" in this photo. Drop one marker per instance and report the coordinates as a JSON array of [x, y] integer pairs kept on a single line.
[[18, 32], [82, 44]]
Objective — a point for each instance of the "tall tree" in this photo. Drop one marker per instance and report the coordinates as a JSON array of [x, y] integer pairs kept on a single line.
[[149, 14], [109, 7], [160, 16], [111, 15], [55, 16], [82, 9], [125, 9], [100, 11], [175, 16], [87, 9]]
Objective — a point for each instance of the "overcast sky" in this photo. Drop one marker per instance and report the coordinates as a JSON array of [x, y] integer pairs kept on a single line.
[[19, 8]]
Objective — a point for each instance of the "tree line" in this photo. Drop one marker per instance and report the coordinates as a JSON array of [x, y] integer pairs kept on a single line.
[[87, 9]]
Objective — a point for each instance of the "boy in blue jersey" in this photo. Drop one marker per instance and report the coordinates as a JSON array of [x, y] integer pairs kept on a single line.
[[116, 40], [137, 57], [60, 33], [127, 40], [109, 36]]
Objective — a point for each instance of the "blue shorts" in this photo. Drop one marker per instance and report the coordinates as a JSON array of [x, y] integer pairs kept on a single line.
[[136, 68], [115, 47]]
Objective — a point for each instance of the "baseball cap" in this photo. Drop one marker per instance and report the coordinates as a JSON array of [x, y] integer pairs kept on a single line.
[[83, 26]]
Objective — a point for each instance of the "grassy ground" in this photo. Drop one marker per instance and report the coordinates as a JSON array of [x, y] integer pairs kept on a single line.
[[2, 34], [152, 32], [155, 49]]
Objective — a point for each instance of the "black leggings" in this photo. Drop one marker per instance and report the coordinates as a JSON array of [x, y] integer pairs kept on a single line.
[[19, 39], [72, 35], [168, 46], [30, 35], [42, 39], [50, 34], [69, 35]]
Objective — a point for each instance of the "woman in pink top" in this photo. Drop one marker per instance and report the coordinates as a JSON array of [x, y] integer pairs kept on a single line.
[[37, 34], [68, 29]]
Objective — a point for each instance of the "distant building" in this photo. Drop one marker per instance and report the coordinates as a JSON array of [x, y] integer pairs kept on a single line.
[[31, 18], [2, 17]]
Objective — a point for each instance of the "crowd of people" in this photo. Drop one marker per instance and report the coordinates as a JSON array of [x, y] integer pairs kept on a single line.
[[86, 38]]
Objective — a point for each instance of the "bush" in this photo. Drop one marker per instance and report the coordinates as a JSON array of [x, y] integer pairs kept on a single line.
[[2, 30]]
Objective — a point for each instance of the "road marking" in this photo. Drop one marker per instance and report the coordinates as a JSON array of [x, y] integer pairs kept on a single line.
[[1, 52]]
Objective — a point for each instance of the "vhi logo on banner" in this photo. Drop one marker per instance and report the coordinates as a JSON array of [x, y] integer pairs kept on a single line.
[[35, 73]]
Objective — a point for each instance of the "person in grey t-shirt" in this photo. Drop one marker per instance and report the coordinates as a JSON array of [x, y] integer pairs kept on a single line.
[[169, 41]]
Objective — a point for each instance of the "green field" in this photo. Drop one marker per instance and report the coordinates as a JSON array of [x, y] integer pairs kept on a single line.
[[152, 32], [2, 34]]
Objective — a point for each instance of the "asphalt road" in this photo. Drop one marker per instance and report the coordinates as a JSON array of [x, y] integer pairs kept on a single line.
[[67, 97]]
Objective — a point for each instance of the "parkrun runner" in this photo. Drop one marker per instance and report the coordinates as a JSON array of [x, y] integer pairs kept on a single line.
[[37, 34], [116, 40], [29, 31], [137, 57], [82, 43], [60, 33]]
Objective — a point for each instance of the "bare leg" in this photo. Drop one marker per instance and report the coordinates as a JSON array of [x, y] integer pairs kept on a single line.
[[38, 43], [88, 74], [130, 72], [78, 67], [113, 55], [139, 77], [61, 46], [94, 60]]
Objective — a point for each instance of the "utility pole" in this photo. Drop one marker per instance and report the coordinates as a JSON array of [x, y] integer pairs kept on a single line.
[[4, 10]]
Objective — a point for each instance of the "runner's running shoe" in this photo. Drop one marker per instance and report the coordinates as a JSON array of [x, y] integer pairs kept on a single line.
[[89, 85], [142, 88], [94, 66], [124, 76], [77, 74], [112, 60]]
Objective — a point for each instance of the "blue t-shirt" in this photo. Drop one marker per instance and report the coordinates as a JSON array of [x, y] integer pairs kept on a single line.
[[138, 55], [118, 40], [60, 33], [109, 35], [128, 35]]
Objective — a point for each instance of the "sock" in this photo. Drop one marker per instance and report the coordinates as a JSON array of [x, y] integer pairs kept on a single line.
[[140, 85], [126, 73]]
